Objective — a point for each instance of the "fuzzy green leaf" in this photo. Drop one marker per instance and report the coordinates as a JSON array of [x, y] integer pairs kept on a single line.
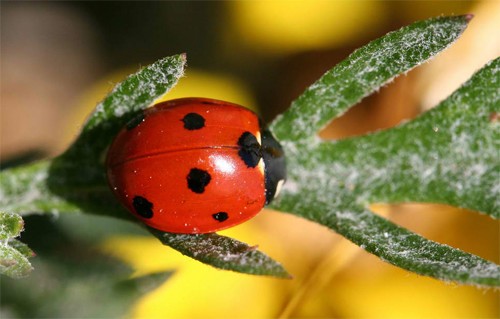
[[24, 191], [363, 72], [11, 225], [448, 155], [224, 253], [13, 254]]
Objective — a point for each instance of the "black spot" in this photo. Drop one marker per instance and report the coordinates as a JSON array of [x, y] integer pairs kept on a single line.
[[250, 150], [143, 207], [220, 216], [135, 121], [193, 121], [198, 179]]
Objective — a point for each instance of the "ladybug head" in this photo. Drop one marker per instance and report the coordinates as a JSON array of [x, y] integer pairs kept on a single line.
[[274, 163]]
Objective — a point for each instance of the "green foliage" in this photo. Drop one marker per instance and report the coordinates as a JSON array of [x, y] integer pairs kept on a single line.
[[448, 155], [73, 279], [13, 253]]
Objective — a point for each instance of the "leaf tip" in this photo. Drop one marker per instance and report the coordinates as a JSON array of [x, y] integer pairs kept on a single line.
[[286, 275], [468, 17]]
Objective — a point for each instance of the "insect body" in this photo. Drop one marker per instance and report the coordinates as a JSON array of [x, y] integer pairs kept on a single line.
[[195, 165]]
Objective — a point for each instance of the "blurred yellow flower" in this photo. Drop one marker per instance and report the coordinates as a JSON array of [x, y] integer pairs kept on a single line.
[[197, 83], [284, 26], [399, 294], [476, 47]]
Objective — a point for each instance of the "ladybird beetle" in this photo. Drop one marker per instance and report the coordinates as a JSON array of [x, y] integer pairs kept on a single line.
[[195, 165]]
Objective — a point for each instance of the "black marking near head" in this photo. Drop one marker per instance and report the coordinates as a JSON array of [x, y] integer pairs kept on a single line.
[[250, 150], [193, 121], [220, 216], [197, 180], [274, 164], [135, 121], [143, 207]]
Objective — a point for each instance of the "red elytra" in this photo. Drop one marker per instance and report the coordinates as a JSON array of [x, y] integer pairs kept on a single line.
[[194, 165]]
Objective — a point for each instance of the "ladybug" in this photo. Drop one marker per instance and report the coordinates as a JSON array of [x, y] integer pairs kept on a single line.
[[195, 165]]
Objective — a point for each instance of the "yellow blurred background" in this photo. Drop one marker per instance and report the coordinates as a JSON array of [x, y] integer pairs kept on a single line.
[[58, 59]]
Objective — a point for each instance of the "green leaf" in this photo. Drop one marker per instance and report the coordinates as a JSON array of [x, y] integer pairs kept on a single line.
[[224, 253], [363, 72], [448, 155], [13, 254], [11, 225], [24, 191]]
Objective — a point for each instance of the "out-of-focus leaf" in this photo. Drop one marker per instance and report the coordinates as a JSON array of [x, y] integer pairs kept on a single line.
[[13, 254], [72, 279]]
